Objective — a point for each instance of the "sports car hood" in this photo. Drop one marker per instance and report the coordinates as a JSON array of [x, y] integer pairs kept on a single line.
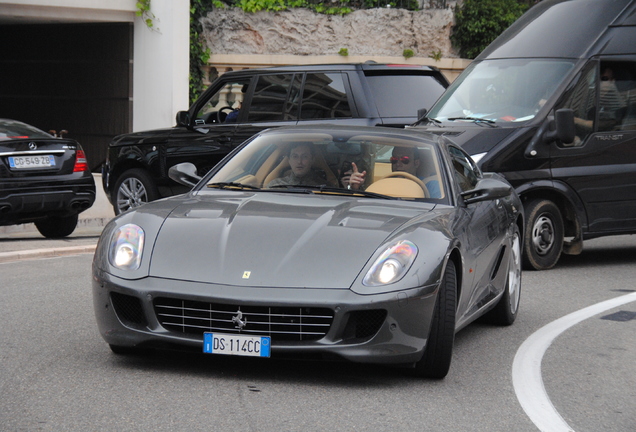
[[275, 239]]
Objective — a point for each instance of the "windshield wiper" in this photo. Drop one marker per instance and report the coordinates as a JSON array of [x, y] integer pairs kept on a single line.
[[477, 120], [427, 120], [231, 185], [332, 190]]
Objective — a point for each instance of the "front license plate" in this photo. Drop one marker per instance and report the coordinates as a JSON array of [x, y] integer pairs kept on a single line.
[[253, 346], [25, 162]]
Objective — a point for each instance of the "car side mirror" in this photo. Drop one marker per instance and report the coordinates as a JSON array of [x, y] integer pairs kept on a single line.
[[564, 129], [184, 173], [183, 118], [487, 189]]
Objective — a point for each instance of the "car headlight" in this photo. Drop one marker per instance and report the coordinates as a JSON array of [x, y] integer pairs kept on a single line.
[[392, 265], [126, 247]]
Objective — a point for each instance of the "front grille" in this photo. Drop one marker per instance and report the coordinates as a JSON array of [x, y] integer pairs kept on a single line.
[[281, 323]]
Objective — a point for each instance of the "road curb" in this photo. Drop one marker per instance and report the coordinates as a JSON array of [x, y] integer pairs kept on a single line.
[[45, 253]]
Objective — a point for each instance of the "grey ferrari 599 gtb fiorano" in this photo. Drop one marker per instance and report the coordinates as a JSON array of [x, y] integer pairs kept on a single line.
[[368, 244]]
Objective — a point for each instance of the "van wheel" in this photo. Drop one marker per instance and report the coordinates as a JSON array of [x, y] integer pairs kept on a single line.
[[543, 239], [57, 227], [133, 188], [438, 352]]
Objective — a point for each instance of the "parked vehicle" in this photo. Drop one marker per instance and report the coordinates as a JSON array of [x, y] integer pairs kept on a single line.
[[43, 179], [256, 261], [551, 104], [241, 103]]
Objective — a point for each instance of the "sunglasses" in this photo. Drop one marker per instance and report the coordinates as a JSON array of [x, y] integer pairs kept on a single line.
[[404, 159]]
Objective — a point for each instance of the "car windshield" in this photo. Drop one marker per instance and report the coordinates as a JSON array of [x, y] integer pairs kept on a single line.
[[496, 92], [394, 166], [11, 129]]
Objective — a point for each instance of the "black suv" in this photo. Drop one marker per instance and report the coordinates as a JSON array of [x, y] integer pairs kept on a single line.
[[240, 104]]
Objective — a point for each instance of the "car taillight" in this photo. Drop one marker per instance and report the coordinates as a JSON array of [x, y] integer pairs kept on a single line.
[[81, 164]]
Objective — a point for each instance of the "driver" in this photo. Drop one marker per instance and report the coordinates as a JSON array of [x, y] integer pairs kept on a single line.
[[301, 159], [406, 159]]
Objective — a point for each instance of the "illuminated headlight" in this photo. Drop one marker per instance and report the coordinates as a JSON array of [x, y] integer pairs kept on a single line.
[[126, 247], [392, 265]]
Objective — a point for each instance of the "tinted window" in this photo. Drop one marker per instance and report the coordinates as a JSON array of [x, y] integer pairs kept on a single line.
[[403, 95], [270, 97], [581, 99], [617, 96], [324, 97], [222, 102], [466, 173]]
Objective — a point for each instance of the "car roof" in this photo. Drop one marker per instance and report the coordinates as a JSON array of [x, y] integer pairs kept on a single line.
[[366, 67], [417, 134]]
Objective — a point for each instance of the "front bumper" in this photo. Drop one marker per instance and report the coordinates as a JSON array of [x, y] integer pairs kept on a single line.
[[381, 328]]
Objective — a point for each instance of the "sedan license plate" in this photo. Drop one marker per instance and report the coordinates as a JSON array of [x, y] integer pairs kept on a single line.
[[233, 344], [26, 162]]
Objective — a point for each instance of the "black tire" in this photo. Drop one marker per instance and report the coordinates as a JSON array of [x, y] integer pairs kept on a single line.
[[436, 361], [134, 187], [506, 310], [57, 227], [543, 240]]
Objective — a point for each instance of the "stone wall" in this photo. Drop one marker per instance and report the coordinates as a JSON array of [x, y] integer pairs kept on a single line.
[[301, 32]]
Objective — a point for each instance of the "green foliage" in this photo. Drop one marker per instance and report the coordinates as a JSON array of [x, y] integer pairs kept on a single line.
[[199, 53], [343, 52], [479, 22], [436, 55], [143, 10], [408, 53]]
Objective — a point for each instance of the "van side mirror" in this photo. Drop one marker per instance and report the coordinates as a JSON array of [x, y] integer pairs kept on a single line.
[[564, 129], [183, 118]]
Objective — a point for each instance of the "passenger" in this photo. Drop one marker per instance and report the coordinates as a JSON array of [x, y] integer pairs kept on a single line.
[[352, 178], [301, 159]]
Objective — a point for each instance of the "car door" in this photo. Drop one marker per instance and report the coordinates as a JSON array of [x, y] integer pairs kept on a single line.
[[600, 166], [211, 134], [484, 231]]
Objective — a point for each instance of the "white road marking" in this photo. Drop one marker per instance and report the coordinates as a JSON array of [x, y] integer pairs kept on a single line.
[[526, 367]]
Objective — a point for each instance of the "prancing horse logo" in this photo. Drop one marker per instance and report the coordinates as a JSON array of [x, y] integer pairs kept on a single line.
[[239, 321]]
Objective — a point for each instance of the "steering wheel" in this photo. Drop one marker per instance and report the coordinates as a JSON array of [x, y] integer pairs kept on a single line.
[[411, 177], [218, 113]]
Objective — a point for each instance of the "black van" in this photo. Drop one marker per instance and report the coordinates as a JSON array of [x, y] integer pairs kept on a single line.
[[551, 104]]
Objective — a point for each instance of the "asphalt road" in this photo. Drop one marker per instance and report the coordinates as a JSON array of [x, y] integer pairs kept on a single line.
[[58, 374]]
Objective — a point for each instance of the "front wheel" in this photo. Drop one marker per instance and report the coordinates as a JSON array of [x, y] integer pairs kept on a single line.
[[506, 310], [543, 240], [133, 188], [438, 353], [57, 227]]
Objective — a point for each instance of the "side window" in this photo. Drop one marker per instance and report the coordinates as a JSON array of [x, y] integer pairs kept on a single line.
[[269, 102], [466, 172], [324, 97], [581, 99], [617, 96], [228, 99]]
